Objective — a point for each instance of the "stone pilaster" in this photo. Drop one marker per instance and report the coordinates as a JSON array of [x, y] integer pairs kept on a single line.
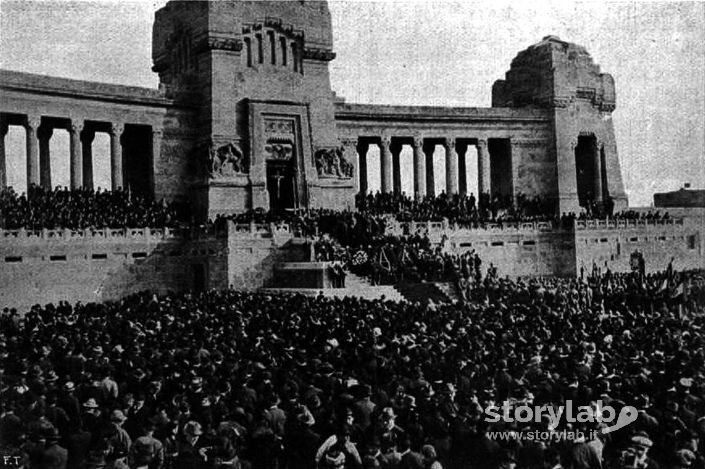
[[44, 135], [157, 137], [419, 168], [31, 128], [451, 167], [386, 164], [3, 156], [87, 147], [597, 169], [116, 173], [462, 149], [362, 148], [396, 168], [429, 149], [76, 166], [483, 167]]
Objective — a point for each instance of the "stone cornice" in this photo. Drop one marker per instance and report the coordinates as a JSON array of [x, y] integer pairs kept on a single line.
[[47, 85], [314, 53], [372, 112], [219, 43]]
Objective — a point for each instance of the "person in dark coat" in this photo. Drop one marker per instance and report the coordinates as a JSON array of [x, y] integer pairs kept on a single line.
[[55, 456], [78, 442]]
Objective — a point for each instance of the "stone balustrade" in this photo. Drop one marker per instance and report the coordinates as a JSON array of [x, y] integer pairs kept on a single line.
[[269, 230], [598, 224], [241, 230]]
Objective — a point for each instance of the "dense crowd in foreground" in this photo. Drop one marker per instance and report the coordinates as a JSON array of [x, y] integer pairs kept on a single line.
[[231, 379]]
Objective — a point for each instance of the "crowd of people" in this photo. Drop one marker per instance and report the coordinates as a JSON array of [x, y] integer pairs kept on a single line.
[[59, 208], [62, 208], [465, 210], [230, 380]]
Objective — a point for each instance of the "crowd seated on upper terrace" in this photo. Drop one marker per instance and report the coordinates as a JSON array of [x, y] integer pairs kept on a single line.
[[85, 208], [63, 208]]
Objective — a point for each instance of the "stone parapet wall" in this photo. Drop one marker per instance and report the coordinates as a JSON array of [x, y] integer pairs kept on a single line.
[[42, 266]]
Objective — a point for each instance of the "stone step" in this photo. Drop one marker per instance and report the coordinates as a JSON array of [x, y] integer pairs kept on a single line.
[[449, 290], [371, 293]]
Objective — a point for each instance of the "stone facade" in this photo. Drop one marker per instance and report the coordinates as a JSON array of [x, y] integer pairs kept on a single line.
[[245, 117]]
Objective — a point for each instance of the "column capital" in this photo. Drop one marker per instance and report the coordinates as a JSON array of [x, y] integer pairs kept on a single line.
[[349, 141], [386, 141], [76, 126], [481, 142], [33, 122], [157, 132], [116, 129], [450, 142], [418, 141], [573, 143]]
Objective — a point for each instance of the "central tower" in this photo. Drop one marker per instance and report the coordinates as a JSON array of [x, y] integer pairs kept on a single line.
[[257, 73]]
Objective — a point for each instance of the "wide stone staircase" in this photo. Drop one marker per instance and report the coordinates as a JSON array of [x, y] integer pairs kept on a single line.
[[354, 286], [428, 292]]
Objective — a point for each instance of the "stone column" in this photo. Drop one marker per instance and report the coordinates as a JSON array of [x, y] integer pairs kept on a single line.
[[87, 140], [31, 127], [157, 137], [462, 171], [75, 129], [429, 149], [44, 134], [451, 167], [116, 156], [419, 168], [386, 164], [362, 148], [396, 168], [597, 169], [3, 157], [483, 167]]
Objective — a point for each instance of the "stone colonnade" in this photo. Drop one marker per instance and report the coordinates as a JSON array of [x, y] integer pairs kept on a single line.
[[39, 130], [455, 150]]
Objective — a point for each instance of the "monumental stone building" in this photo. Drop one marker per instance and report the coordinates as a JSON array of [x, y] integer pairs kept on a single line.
[[245, 117]]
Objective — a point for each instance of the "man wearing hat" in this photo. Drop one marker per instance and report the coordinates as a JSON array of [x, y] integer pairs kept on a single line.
[[640, 444], [119, 439], [55, 456], [147, 451], [386, 429], [91, 418], [192, 452], [69, 402]]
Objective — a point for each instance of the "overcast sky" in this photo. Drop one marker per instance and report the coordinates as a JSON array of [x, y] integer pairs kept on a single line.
[[433, 53]]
